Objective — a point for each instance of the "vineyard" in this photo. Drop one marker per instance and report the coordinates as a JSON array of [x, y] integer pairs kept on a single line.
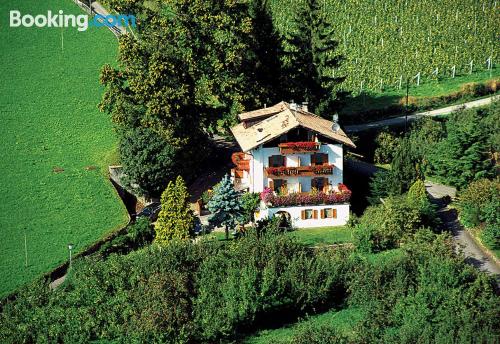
[[385, 42]]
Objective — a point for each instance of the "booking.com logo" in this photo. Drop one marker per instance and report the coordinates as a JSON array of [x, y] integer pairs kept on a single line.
[[60, 19]]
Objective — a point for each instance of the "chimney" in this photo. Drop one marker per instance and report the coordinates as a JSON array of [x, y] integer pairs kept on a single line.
[[304, 106]]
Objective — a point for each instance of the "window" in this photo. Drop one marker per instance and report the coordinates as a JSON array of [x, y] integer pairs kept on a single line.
[[278, 185], [319, 159], [277, 161], [309, 214], [283, 138], [329, 213], [319, 184]]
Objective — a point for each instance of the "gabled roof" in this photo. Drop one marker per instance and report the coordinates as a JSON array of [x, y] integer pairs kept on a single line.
[[274, 124], [265, 112]]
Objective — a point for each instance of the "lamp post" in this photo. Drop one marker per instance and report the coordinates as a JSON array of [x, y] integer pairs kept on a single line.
[[70, 248]]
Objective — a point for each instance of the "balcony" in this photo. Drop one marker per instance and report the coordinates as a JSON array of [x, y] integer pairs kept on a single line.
[[241, 160], [299, 147], [303, 171], [271, 199]]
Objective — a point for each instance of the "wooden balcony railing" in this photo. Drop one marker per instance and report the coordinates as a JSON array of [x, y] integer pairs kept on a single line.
[[305, 171], [299, 147]]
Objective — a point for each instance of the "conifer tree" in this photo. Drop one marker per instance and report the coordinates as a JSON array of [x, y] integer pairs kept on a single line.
[[310, 59], [225, 206], [176, 219]]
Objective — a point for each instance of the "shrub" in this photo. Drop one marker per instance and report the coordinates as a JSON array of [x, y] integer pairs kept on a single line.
[[386, 147], [480, 202], [250, 202], [384, 226], [176, 219], [491, 235]]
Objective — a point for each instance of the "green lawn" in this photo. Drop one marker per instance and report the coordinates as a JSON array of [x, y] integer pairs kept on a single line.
[[50, 122], [343, 320], [430, 88]]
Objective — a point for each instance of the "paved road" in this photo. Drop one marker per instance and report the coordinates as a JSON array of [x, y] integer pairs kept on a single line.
[[398, 121], [473, 253]]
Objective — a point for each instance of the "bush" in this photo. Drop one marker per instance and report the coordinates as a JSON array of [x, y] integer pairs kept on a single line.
[[480, 203], [386, 147], [384, 226], [138, 234]]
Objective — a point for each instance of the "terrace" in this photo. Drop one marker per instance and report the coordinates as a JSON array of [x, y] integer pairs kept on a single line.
[[299, 147], [284, 171], [272, 199]]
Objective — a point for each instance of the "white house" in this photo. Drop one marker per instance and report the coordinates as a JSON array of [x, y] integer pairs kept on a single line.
[[295, 160]]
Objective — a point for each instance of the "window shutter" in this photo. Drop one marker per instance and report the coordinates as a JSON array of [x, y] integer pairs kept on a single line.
[[315, 214], [271, 184], [300, 187], [313, 183], [303, 214], [334, 213], [283, 159], [325, 184], [313, 159], [322, 213], [325, 159], [270, 161]]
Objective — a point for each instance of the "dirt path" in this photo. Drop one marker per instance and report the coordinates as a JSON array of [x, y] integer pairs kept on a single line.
[[398, 121]]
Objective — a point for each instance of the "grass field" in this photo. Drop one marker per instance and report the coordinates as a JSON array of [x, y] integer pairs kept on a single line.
[[430, 88], [56, 144]]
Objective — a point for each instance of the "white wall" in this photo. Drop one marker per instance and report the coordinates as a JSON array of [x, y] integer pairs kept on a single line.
[[258, 180], [295, 214]]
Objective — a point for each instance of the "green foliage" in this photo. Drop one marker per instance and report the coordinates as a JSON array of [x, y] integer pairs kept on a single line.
[[138, 234], [140, 297], [386, 225], [386, 147], [259, 273], [250, 202], [225, 206], [406, 168], [148, 160], [480, 207], [309, 59], [308, 334], [465, 154], [176, 219], [427, 295], [382, 185]]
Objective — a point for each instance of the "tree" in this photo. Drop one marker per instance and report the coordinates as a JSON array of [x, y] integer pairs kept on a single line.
[[406, 167], [466, 152], [176, 219], [387, 144], [250, 202], [185, 72], [148, 160], [310, 61], [225, 206]]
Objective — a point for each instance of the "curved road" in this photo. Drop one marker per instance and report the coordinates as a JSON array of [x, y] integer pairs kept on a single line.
[[398, 121]]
